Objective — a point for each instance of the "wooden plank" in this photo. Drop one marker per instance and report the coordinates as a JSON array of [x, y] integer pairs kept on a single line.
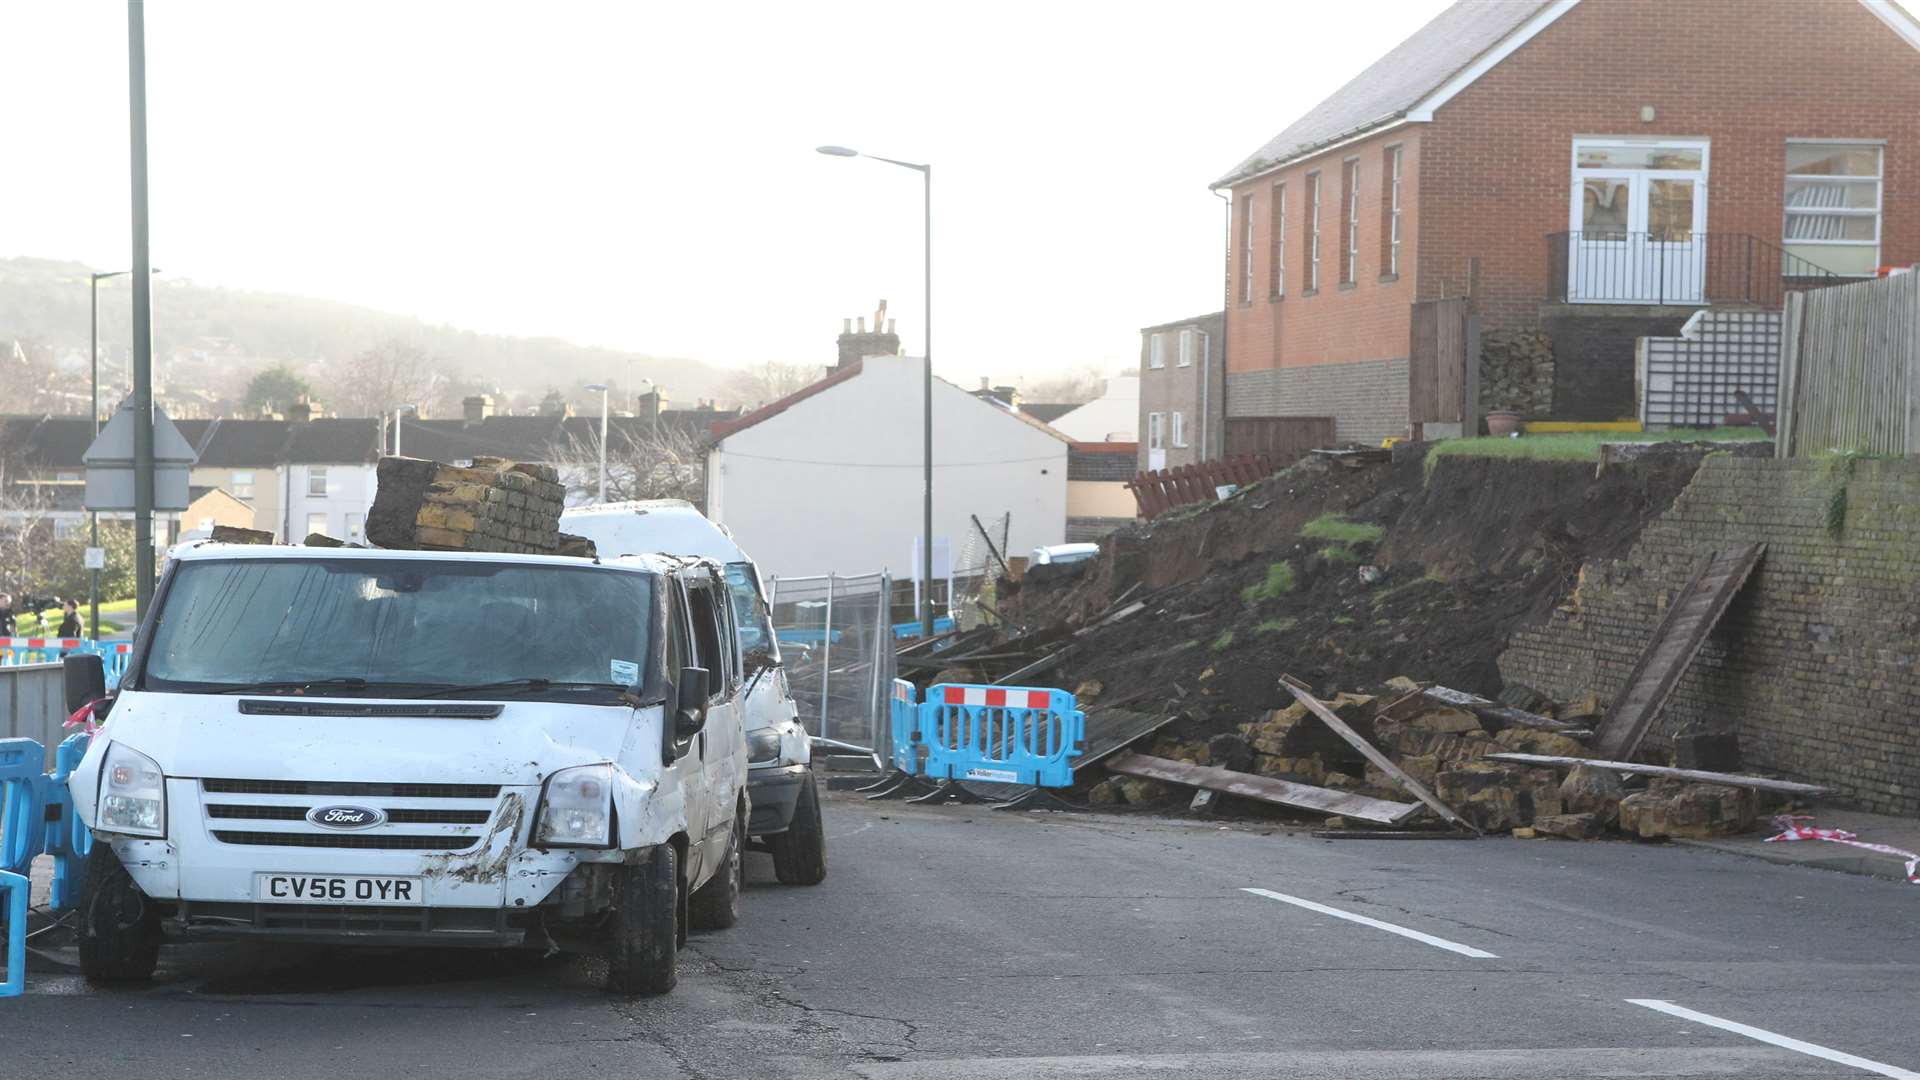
[[1689, 619], [1044, 664], [1380, 761], [1482, 707], [1264, 789], [1789, 787], [1110, 731]]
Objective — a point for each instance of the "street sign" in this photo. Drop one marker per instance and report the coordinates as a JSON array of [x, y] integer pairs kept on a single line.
[[95, 559], [110, 463]]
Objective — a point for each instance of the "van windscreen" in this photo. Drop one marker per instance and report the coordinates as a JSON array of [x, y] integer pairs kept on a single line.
[[398, 623]]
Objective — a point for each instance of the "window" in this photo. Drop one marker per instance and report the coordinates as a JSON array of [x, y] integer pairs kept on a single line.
[[1278, 286], [66, 528], [356, 525], [1390, 262], [1156, 423], [395, 620], [1246, 250], [65, 477], [1833, 207], [1179, 430], [317, 523], [1350, 254], [1156, 350], [317, 481], [1313, 232], [710, 639], [1186, 347], [241, 484]]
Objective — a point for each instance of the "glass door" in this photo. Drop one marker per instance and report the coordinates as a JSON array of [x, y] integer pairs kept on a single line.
[[1638, 228]]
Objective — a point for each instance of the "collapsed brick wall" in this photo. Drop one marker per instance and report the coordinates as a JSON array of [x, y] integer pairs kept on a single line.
[[1814, 664]]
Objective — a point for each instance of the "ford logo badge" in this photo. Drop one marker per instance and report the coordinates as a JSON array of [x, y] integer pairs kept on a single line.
[[346, 817]]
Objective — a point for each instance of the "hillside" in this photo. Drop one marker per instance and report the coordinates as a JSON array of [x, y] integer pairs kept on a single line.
[[208, 341]]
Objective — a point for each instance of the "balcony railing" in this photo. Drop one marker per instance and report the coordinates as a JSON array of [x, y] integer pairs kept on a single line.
[[1694, 269]]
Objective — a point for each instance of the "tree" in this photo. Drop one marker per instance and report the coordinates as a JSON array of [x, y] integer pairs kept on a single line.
[[380, 379], [1076, 387], [275, 388], [752, 387], [662, 461]]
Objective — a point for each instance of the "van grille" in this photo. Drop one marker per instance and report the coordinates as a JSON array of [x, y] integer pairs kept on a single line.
[[381, 841], [397, 817], [328, 788]]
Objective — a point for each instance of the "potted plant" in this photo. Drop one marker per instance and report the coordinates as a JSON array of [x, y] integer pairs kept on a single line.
[[1503, 422]]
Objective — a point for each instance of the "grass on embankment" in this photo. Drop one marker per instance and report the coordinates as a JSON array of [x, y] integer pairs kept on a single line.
[[1576, 446], [115, 616]]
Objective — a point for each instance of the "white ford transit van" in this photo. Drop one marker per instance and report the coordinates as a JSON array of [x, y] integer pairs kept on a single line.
[[353, 746]]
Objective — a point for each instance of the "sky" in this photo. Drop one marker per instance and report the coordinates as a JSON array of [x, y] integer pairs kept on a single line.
[[643, 175]]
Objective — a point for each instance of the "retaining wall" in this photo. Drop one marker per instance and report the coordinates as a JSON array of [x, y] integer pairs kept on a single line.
[[1814, 665]]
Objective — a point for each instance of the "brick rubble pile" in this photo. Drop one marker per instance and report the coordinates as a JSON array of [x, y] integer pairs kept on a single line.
[[491, 505]]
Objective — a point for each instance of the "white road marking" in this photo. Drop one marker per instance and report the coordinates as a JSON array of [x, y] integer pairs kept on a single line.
[[851, 832], [1782, 1041], [1429, 939]]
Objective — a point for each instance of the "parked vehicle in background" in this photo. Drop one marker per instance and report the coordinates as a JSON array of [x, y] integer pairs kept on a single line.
[[371, 747], [786, 799]]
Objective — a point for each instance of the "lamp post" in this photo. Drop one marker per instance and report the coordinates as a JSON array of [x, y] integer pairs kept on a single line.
[[926, 523], [400, 424], [143, 553], [602, 387], [93, 353]]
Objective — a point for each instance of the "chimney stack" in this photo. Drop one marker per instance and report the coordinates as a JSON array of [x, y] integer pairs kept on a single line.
[[647, 405], [475, 409], [301, 410], [858, 343]]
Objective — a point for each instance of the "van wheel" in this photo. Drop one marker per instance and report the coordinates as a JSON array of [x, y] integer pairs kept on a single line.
[[717, 905], [800, 853], [645, 945], [119, 930]]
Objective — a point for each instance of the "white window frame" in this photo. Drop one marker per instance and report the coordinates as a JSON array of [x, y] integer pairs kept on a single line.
[[1246, 249], [1156, 349], [1877, 212], [1279, 287], [242, 484], [1313, 232], [66, 528], [1353, 222], [1186, 348], [321, 517], [1393, 219], [316, 477], [1179, 431], [1156, 431]]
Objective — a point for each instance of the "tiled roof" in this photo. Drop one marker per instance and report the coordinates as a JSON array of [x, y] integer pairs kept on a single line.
[[1396, 82], [1102, 461], [774, 408], [330, 441], [1048, 412]]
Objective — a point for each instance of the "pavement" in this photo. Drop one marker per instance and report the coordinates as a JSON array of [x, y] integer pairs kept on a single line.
[[1895, 832], [952, 942]]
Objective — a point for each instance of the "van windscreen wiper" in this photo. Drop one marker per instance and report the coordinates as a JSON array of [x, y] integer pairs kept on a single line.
[[521, 686]]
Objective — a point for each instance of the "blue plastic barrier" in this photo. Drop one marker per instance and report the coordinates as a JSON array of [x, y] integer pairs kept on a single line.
[[21, 650], [1000, 734], [21, 820], [13, 890], [912, 629], [904, 730]]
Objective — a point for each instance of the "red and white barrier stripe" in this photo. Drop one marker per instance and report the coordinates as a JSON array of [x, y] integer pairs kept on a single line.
[[1794, 830], [902, 690], [66, 643], [998, 697]]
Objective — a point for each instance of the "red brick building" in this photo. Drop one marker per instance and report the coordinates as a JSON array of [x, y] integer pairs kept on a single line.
[[1586, 172]]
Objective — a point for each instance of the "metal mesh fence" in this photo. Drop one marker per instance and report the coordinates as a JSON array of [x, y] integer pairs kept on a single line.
[[837, 643]]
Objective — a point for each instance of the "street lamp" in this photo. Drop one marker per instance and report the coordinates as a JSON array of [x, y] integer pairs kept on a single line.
[[602, 387], [93, 519], [926, 529]]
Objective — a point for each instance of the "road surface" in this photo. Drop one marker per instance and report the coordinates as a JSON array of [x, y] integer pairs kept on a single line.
[[956, 943]]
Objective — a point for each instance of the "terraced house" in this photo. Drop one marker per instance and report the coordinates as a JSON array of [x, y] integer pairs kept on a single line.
[[1498, 211]]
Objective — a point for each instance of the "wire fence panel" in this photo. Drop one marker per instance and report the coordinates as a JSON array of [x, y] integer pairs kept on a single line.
[[837, 644]]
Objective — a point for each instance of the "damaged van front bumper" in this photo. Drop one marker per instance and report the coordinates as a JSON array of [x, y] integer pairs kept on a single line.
[[445, 864]]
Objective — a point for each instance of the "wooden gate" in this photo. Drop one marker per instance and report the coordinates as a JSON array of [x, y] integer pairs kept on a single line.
[[1443, 365], [1282, 440]]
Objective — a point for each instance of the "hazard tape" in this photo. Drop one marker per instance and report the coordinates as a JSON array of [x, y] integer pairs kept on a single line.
[[982, 695], [1794, 830]]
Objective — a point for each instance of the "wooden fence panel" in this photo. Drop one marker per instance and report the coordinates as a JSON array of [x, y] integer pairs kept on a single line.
[[1282, 439], [1437, 359], [1157, 492], [1850, 369]]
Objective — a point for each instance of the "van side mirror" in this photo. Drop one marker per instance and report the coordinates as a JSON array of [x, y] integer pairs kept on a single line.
[[85, 675], [690, 709]]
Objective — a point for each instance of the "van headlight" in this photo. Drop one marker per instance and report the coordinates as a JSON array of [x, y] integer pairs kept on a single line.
[[763, 745], [133, 794], [577, 809]]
